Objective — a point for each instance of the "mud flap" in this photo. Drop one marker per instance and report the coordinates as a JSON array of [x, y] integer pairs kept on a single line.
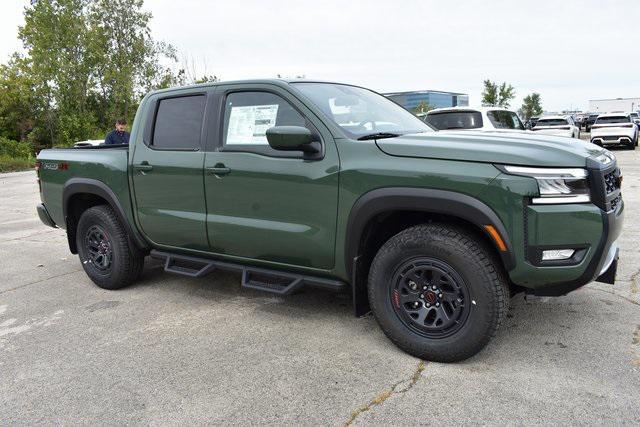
[[609, 276]]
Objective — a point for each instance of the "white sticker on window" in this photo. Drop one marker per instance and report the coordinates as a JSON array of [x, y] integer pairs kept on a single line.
[[249, 124]]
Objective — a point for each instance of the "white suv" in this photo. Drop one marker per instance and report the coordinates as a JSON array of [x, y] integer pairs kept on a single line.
[[558, 126], [467, 118], [615, 129]]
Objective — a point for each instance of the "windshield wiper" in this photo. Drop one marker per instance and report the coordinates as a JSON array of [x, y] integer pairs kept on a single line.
[[378, 135]]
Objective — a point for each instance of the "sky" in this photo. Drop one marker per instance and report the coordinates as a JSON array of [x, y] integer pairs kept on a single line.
[[569, 51]]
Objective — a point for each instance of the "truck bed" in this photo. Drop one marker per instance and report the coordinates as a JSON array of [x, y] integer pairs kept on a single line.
[[60, 167]]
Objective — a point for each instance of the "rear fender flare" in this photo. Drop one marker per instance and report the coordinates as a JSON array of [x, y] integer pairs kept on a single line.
[[98, 188]]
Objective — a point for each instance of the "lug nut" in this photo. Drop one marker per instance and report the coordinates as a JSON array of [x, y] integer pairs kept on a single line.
[[424, 288], [421, 296], [434, 287], [437, 304], [428, 305], [439, 295], [416, 304]]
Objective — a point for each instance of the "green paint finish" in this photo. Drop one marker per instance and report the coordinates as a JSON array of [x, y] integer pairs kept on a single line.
[[557, 225], [292, 213], [506, 148]]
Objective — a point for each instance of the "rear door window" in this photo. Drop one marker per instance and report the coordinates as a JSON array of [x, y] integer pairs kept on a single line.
[[455, 120], [178, 124], [505, 120]]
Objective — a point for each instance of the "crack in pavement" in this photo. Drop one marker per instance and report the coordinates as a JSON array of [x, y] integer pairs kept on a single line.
[[382, 397], [618, 295], [39, 281], [634, 282]]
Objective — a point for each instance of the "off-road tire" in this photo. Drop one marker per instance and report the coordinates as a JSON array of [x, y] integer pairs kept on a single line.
[[474, 262], [126, 262]]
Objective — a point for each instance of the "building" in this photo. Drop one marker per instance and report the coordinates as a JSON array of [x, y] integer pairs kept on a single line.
[[614, 104], [434, 98]]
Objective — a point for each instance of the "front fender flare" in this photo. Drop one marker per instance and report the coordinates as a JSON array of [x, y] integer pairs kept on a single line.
[[425, 200]]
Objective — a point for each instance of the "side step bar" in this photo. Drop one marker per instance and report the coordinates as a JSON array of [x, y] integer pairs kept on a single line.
[[274, 281]]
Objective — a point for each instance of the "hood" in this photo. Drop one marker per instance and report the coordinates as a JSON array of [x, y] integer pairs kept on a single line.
[[526, 149]]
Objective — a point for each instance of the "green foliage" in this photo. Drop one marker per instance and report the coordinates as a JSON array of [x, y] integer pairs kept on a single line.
[[422, 108], [11, 164], [86, 63], [15, 155], [497, 96], [531, 106], [15, 149]]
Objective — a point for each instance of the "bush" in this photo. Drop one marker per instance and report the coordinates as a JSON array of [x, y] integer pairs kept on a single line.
[[12, 164], [15, 149], [15, 156]]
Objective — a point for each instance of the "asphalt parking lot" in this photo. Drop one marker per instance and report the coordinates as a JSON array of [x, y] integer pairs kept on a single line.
[[174, 350]]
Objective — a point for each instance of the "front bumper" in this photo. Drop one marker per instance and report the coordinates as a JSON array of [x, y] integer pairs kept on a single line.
[[602, 266], [591, 229], [44, 216]]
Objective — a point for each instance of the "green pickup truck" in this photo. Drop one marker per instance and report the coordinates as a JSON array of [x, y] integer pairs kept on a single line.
[[299, 184]]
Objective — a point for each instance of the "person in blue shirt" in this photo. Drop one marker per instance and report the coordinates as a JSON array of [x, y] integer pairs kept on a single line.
[[119, 135]]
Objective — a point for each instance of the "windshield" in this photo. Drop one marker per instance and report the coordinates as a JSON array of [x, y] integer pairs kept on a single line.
[[361, 112], [455, 120], [505, 120], [612, 119], [552, 122]]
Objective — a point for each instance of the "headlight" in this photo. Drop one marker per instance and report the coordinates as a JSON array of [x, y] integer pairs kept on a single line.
[[606, 157], [566, 185]]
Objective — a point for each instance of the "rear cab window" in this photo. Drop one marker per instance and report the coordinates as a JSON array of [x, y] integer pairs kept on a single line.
[[612, 119], [552, 122], [455, 120]]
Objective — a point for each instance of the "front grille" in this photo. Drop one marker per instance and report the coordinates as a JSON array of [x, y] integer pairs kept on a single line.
[[614, 203], [605, 185], [612, 181]]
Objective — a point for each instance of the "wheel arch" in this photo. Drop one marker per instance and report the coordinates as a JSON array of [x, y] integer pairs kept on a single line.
[[80, 194], [392, 209]]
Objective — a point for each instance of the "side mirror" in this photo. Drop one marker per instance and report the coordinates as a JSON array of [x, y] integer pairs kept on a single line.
[[292, 138]]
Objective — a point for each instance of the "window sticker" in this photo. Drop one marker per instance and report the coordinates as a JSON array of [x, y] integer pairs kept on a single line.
[[249, 124]]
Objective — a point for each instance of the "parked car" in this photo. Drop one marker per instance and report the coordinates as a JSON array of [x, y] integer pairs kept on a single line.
[[466, 118], [529, 124], [635, 118], [306, 184], [615, 129], [558, 126], [89, 143], [589, 121]]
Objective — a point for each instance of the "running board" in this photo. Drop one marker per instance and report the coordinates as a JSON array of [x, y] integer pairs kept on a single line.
[[274, 281]]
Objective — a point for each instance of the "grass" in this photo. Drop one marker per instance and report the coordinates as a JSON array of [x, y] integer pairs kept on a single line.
[[11, 164]]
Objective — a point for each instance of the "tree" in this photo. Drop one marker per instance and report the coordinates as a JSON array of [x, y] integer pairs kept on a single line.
[[422, 108], [497, 96], [531, 106], [19, 104], [90, 62]]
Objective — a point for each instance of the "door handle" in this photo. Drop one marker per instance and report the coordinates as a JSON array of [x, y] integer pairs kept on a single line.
[[218, 170], [144, 167]]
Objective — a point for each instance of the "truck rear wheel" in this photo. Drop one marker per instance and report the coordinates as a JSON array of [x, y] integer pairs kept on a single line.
[[104, 249], [437, 292]]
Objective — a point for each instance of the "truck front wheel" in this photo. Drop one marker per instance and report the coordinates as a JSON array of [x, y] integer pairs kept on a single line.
[[104, 249], [438, 292]]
